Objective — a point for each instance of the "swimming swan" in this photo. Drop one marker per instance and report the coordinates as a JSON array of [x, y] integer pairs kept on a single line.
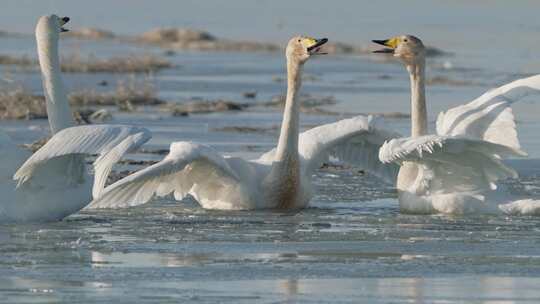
[[280, 178], [54, 182], [456, 170]]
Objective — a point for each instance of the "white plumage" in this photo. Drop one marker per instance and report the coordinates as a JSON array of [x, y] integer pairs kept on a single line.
[[453, 171], [110, 142], [489, 117], [54, 182], [280, 178], [456, 171], [231, 183]]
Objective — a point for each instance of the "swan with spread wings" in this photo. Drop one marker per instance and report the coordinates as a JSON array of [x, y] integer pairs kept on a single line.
[[455, 171], [281, 178], [54, 182]]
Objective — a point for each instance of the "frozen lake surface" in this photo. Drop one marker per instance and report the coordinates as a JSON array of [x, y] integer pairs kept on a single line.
[[352, 245], [343, 250]]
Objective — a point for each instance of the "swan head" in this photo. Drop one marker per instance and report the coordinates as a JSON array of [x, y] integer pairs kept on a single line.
[[51, 25], [301, 48], [408, 48]]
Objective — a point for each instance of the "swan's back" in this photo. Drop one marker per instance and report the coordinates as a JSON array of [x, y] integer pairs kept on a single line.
[[38, 200]]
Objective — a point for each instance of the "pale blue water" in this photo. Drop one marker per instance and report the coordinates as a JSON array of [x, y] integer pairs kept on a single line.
[[352, 245]]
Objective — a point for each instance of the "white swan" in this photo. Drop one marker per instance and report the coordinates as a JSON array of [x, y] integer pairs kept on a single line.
[[54, 183], [281, 178], [456, 170]]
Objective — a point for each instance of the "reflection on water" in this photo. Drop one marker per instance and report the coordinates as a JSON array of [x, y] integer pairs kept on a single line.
[[460, 289], [118, 259], [342, 249], [169, 252]]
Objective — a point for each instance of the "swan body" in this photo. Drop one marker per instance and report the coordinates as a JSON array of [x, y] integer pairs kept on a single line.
[[280, 178], [455, 171], [54, 182], [448, 174]]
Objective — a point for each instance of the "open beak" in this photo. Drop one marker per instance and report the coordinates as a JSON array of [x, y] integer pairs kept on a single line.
[[63, 22], [315, 48], [391, 45]]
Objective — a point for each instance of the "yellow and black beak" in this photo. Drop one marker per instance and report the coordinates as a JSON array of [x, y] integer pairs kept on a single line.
[[391, 45], [63, 22], [314, 45]]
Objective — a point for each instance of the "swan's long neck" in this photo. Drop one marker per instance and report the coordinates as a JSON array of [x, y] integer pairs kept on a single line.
[[287, 148], [58, 111], [418, 99]]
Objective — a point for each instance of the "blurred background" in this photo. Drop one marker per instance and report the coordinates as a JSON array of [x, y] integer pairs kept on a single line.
[[454, 25]]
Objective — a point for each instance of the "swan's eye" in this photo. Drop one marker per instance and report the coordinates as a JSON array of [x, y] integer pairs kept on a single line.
[[405, 40], [299, 40]]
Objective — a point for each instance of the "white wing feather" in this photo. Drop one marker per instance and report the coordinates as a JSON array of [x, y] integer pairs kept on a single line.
[[111, 142], [356, 141], [455, 164], [489, 117], [104, 163], [177, 172]]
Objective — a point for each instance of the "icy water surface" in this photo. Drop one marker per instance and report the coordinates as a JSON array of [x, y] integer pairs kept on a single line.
[[350, 246], [343, 249]]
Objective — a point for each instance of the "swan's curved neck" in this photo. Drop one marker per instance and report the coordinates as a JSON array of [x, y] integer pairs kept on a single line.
[[58, 111], [418, 99], [287, 148]]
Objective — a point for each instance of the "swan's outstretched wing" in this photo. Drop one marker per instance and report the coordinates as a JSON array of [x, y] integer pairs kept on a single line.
[[452, 164], [355, 140], [185, 164], [66, 148], [489, 117]]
